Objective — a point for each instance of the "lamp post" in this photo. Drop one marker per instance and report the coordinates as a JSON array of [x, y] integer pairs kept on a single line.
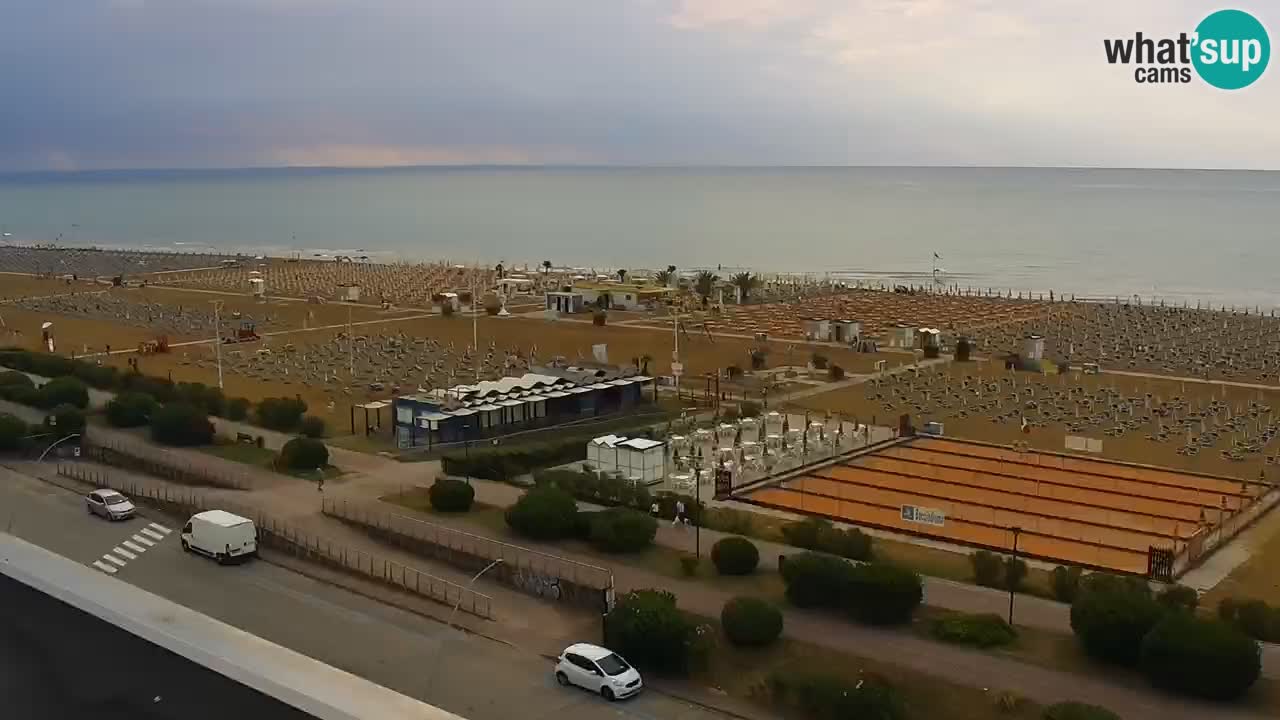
[[217, 338], [1016, 532], [55, 443], [457, 605], [697, 505]]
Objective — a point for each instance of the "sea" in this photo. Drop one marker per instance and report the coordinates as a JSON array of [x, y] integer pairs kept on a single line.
[[1178, 236]]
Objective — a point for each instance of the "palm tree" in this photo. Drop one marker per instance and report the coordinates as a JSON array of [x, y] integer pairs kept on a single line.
[[546, 266], [705, 284], [663, 277], [622, 275], [498, 269], [644, 363], [745, 282]]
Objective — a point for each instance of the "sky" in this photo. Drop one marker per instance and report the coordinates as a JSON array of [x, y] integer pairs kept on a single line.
[[93, 84]]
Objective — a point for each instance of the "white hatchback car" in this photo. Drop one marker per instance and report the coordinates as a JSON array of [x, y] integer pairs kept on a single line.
[[598, 670], [109, 504]]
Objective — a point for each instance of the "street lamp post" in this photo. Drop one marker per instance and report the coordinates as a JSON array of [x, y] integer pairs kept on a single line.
[[1016, 532], [217, 338], [457, 605]]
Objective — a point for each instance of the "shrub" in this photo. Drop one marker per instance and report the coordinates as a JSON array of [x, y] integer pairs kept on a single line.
[[181, 424], [13, 431], [819, 361], [815, 580], [821, 535], [131, 409], [1065, 582], [835, 373], [1015, 571], [1078, 711], [599, 317], [830, 697], [735, 556], [983, 630], [450, 495], [1179, 597], [1202, 658], [883, 594], [63, 391], [280, 413], [492, 305], [1253, 617], [503, 463], [159, 388], [750, 622], [689, 565], [1111, 616], [543, 513], [302, 453], [622, 530], [237, 409], [446, 309], [729, 520], [65, 419], [311, 426], [749, 408], [599, 489], [647, 629], [988, 569], [201, 396], [13, 378]]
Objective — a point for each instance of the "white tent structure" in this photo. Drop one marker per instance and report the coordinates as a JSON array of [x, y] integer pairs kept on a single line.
[[640, 460]]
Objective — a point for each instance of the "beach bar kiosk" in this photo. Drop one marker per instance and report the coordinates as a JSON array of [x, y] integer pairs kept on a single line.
[[640, 460]]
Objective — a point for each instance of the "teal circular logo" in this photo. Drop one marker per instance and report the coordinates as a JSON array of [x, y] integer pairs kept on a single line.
[[1231, 49]]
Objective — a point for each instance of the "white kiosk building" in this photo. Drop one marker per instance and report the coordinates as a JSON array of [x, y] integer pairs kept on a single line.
[[640, 460]]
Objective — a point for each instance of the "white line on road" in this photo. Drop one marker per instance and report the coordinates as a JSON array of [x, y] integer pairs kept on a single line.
[[161, 528], [152, 534], [134, 546], [124, 553], [113, 559], [145, 541], [108, 569]]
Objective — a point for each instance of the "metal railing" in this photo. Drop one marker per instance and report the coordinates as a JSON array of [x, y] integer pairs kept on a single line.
[[132, 454], [279, 535]]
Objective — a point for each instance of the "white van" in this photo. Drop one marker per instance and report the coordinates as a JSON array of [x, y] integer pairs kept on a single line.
[[220, 535]]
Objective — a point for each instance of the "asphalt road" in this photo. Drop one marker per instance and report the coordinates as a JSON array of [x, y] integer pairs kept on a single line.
[[468, 675]]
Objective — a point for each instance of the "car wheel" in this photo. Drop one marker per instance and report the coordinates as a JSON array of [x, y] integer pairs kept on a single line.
[[606, 693], [562, 678], [186, 547], [88, 509]]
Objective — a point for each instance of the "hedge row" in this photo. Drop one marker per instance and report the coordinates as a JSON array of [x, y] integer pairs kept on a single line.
[[595, 488], [647, 628], [820, 695], [983, 630], [502, 463], [820, 535], [875, 593]]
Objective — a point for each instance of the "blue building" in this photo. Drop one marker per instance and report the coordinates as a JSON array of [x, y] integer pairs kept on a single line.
[[493, 408]]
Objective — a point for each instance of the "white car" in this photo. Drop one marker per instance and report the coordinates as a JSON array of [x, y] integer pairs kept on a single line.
[[599, 670], [109, 504]]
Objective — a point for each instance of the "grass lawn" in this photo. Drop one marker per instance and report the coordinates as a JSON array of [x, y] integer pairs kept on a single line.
[[250, 454], [488, 519]]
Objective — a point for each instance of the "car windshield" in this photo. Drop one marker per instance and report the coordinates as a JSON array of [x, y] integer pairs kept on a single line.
[[611, 664], [114, 499]]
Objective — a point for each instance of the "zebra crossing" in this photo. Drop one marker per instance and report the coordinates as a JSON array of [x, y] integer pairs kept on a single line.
[[130, 549]]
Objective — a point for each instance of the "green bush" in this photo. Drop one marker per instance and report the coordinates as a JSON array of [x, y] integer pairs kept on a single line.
[[983, 630], [161, 389], [988, 569], [181, 424], [835, 373], [303, 453], [1111, 615], [622, 530], [450, 495], [281, 413], [1066, 583], [237, 409], [503, 463], [202, 396], [1179, 597], [131, 409], [13, 432], [65, 419], [63, 391], [1252, 617], [883, 594], [311, 426], [13, 378], [1015, 572], [750, 622], [815, 580], [544, 513], [729, 520], [735, 556], [829, 697], [598, 489], [819, 361], [1201, 658], [689, 565], [821, 535], [1078, 711], [647, 628]]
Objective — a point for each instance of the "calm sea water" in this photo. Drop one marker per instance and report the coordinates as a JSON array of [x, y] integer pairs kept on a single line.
[[1184, 235]]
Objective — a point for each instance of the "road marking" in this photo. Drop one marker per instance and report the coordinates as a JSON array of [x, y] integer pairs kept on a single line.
[[152, 534], [124, 553], [133, 546], [108, 569], [113, 559], [161, 528], [144, 541]]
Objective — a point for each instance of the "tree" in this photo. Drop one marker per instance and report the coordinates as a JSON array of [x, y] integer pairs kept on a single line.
[[705, 284], [63, 391], [543, 513], [644, 363], [745, 282], [303, 453], [815, 579], [622, 530], [1065, 583], [181, 424], [311, 426], [237, 408], [622, 275], [65, 419], [735, 556], [987, 568], [647, 628], [492, 305], [750, 622], [281, 413], [451, 495], [12, 432], [882, 594], [1198, 657], [131, 409], [546, 266], [1179, 597], [663, 277], [1111, 615]]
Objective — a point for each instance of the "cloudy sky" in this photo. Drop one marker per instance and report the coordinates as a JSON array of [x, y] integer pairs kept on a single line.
[[228, 83]]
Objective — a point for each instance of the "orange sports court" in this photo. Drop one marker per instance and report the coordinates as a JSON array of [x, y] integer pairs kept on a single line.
[[1066, 508]]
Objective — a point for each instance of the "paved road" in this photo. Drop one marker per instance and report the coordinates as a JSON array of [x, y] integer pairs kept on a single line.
[[468, 675]]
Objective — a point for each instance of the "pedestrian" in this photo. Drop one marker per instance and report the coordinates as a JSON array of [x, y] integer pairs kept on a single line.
[[654, 511], [680, 516]]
